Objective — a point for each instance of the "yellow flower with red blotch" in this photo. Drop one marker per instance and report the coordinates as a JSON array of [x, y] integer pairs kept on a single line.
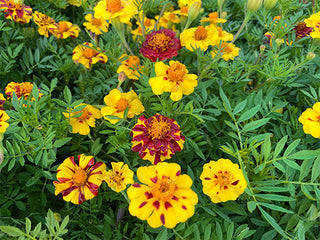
[[117, 102], [110, 9], [213, 18], [119, 177], [173, 78], [79, 183], [77, 3], [20, 89], [64, 29], [4, 117], [222, 180], [96, 25], [43, 21], [17, 12], [157, 138], [87, 55], [199, 37], [314, 22], [2, 101], [82, 117], [164, 197], [227, 51], [310, 120], [130, 66]]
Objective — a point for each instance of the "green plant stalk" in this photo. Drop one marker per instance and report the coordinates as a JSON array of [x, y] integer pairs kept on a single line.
[[118, 26], [244, 23], [160, 15]]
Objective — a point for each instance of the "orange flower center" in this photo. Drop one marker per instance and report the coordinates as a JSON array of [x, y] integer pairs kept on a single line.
[[122, 104], [80, 177], [177, 71], [213, 16], [201, 33], [158, 129], [26, 88], [160, 42], [147, 23], [172, 17], [133, 62], [63, 27], [89, 53], [113, 5], [96, 22], [117, 178], [163, 189], [223, 178], [226, 48], [184, 9], [85, 114]]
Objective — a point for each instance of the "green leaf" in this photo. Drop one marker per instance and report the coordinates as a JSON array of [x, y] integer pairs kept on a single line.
[[226, 103], [12, 231], [291, 164], [307, 193], [28, 225], [240, 106], [255, 124], [67, 95], [219, 231], [163, 235], [280, 146], [230, 231], [301, 231], [35, 92], [275, 207], [291, 147], [248, 114], [275, 197], [251, 206], [304, 154], [207, 232], [315, 169], [60, 142]]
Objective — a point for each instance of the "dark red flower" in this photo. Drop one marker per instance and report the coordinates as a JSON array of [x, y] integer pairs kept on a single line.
[[161, 44], [302, 30]]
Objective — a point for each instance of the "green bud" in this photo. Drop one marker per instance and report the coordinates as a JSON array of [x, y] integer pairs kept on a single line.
[[268, 4], [311, 56], [253, 5]]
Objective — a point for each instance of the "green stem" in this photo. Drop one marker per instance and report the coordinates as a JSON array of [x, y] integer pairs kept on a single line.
[[118, 26], [160, 15], [244, 23]]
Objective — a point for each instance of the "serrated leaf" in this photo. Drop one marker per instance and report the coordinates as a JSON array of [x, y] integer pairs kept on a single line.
[[255, 124], [28, 225], [12, 231], [273, 222], [251, 205], [280, 146], [249, 114], [275, 197], [60, 142], [304, 154], [163, 235], [275, 207], [315, 169], [240, 106], [291, 147]]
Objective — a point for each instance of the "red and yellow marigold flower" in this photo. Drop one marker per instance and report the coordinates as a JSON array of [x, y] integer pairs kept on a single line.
[[302, 30], [164, 197], [117, 102], [173, 78], [2, 101], [314, 22], [130, 66], [79, 183], [119, 177], [16, 11], [20, 89], [96, 25], [213, 18], [200, 37], [77, 3], [88, 55], [43, 21], [4, 117], [310, 120], [161, 45], [222, 180], [82, 120], [64, 29], [157, 138], [227, 51], [110, 9]]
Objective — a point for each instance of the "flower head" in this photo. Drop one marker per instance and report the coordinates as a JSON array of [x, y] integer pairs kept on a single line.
[[314, 22], [188, 3], [222, 180], [64, 29], [148, 26], [2, 101], [96, 25], [117, 102], [213, 18], [4, 117], [130, 66], [80, 120], [161, 44], [157, 138], [164, 198], [79, 183], [310, 120], [76, 2], [168, 20], [228, 51], [87, 55], [302, 30], [173, 78], [43, 21], [119, 177], [20, 89], [18, 12]]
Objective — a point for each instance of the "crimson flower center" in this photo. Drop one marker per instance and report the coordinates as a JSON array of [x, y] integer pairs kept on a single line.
[[201, 33], [163, 189], [122, 104], [80, 177], [158, 129], [176, 72], [160, 42], [113, 5]]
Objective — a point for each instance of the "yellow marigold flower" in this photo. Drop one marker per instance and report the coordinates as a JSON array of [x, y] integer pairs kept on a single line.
[[16, 11], [80, 124], [119, 177], [117, 102], [87, 55], [227, 51], [168, 20], [130, 66], [109, 9], [164, 198], [4, 117], [79, 183], [188, 3], [183, 11], [222, 180], [310, 120], [213, 18], [64, 29], [20, 89], [173, 78], [200, 37], [2, 101], [148, 27], [43, 21], [157, 138], [224, 36], [314, 22], [77, 3], [96, 25]]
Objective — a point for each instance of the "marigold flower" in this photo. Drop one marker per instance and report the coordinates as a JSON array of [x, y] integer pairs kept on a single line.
[[164, 198], [109, 9], [168, 20], [117, 102], [302, 30], [80, 124], [79, 183], [213, 18], [76, 3], [64, 29], [20, 89], [43, 21], [130, 66], [200, 37], [96, 25], [87, 55], [148, 26], [161, 44], [310, 120], [188, 3], [4, 117], [17, 12], [222, 180], [2, 101], [157, 138], [183, 11], [228, 51], [119, 177], [224, 36], [173, 78], [314, 22]]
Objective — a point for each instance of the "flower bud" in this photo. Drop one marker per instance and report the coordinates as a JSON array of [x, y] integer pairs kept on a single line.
[[18, 2], [279, 41], [253, 5], [268, 4], [57, 216], [224, 15], [262, 48], [122, 77], [194, 11], [311, 56]]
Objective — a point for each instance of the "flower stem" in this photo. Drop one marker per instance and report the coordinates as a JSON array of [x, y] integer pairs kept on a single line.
[[160, 15], [244, 23], [118, 26]]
